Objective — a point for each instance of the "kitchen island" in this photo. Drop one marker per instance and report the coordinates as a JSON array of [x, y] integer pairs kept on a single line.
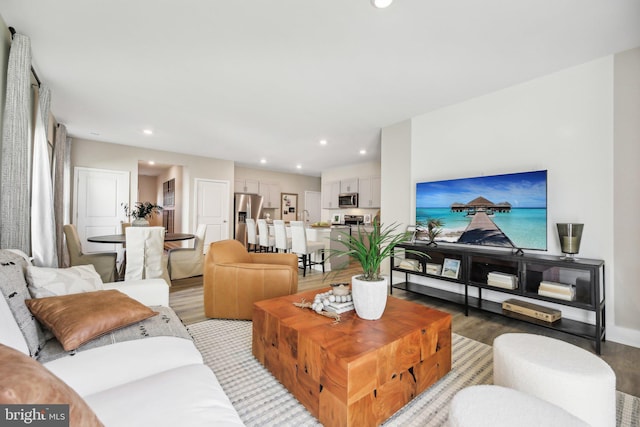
[[331, 237]]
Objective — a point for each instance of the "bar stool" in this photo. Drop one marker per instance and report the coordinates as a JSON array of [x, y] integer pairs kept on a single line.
[[303, 247], [252, 237], [282, 241], [267, 242]]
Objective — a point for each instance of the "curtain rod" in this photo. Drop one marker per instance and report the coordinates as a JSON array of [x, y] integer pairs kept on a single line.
[[13, 33]]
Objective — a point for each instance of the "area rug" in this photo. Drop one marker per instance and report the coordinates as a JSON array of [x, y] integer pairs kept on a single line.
[[262, 401]]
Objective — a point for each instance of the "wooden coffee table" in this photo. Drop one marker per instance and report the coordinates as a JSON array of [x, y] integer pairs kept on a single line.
[[355, 372]]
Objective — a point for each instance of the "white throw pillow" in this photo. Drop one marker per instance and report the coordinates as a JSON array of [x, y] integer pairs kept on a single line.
[[50, 282]]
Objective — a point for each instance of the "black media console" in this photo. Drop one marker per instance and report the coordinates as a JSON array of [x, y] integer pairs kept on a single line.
[[579, 283]]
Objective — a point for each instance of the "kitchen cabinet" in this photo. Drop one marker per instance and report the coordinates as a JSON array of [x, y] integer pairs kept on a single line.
[[247, 186], [330, 192], [349, 185], [270, 195], [369, 189]]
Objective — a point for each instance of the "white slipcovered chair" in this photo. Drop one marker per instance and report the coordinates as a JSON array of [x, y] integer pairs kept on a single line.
[[252, 236], [267, 242], [305, 248], [563, 374], [282, 241], [104, 262], [188, 262], [145, 254]]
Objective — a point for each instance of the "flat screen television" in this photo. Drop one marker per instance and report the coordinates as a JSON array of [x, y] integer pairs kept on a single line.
[[507, 210]]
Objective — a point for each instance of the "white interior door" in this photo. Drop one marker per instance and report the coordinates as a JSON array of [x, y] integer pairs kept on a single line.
[[313, 205], [212, 209], [97, 198]]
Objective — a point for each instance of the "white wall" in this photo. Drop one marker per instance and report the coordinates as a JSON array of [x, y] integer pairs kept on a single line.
[[562, 122], [627, 195], [102, 155]]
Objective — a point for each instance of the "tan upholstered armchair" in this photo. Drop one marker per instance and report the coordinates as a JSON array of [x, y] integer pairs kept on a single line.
[[234, 279], [104, 262]]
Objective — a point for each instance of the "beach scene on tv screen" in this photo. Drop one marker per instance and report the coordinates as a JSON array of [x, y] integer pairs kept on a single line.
[[507, 210]]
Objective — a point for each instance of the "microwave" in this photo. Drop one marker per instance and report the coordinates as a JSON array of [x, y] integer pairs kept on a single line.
[[348, 200]]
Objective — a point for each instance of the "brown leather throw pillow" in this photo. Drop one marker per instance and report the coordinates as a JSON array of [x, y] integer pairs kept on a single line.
[[25, 381], [78, 318]]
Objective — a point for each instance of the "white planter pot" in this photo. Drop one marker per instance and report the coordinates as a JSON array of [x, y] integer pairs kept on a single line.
[[140, 222], [369, 298]]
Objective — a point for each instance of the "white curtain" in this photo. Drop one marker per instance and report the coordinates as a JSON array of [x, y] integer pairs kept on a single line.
[[61, 189], [43, 227], [15, 191]]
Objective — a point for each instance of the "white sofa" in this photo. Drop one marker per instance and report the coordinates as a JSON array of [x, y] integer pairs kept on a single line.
[[152, 381]]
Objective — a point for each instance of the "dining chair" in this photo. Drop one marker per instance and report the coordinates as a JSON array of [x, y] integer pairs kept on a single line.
[[104, 262], [187, 262], [123, 264], [252, 236], [267, 241], [305, 248], [283, 242], [145, 254]]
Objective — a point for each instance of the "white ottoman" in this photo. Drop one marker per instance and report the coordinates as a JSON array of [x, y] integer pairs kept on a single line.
[[495, 406], [558, 372]]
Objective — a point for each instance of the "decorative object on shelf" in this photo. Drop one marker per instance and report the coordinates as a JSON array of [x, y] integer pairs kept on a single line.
[[570, 235], [435, 269], [141, 212], [451, 268], [434, 229], [532, 310], [370, 249]]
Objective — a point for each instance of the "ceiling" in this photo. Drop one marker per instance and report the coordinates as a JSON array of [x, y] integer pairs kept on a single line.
[[250, 80]]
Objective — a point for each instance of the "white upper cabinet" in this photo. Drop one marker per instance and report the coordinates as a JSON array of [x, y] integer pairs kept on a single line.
[[247, 186], [349, 185], [330, 192], [369, 196], [270, 194]]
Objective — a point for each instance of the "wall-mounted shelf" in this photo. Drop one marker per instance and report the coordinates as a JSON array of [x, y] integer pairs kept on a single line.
[[578, 284]]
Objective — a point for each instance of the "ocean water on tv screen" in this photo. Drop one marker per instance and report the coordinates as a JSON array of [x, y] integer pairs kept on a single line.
[[526, 227]]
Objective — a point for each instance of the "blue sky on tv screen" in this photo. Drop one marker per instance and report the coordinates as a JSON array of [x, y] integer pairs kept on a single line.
[[522, 190]]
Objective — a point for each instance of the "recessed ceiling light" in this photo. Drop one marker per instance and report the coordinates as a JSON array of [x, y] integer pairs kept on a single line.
[[151, 162], [298, 166], [381, 4], [323, 142], [148, 132], [263, 161], [363, 151]]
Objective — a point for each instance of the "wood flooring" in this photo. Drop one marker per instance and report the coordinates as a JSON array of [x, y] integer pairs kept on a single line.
[[186, 299]]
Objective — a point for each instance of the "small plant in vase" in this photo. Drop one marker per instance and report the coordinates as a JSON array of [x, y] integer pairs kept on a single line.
[[434, 229], [141, 212], [370, 249]]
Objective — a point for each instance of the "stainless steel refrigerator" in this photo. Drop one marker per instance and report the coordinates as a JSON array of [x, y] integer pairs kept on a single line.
[[245, 206]]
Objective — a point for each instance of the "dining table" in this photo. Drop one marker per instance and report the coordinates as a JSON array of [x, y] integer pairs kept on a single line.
[[122, 238]]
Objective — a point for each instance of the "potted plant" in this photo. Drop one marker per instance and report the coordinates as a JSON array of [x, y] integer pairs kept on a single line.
[[370, 249], [141, 212]]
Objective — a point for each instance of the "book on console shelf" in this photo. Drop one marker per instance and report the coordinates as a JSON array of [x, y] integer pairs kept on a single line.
[[558, 290], [532, 310], [502, 280], [435, 269]]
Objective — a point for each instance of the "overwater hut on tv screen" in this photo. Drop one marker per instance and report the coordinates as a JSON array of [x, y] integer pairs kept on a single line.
[[508, 210]]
